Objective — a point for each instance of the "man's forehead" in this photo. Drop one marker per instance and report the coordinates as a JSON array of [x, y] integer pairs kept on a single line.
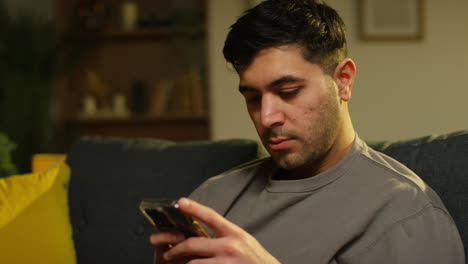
[[271, 67]]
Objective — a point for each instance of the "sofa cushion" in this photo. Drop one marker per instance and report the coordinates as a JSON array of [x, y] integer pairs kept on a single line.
[[111, 176], [442, 162], [34, 220]]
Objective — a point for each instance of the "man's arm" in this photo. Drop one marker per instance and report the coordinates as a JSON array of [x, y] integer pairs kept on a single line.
[[231, 243]]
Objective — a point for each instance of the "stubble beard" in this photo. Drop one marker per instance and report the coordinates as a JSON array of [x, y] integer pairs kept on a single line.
[[317, 143]]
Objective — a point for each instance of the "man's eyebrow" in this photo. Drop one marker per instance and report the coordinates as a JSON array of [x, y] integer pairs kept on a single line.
[[285, 79], [246, 88]]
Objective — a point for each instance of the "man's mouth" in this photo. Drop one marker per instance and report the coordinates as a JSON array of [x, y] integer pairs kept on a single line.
[[280, 143]]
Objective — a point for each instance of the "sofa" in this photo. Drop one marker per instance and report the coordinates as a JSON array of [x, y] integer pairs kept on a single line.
[[110, 176]]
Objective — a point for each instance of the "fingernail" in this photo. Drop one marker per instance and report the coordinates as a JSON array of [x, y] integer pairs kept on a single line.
[[151, 239], [183, 202]]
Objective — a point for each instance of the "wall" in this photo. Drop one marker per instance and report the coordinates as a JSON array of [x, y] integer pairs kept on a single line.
[[403, 89], [229, 117]]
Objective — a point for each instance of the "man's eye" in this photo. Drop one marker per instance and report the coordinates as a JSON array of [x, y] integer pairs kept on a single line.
[[252, 99], [288, 92]]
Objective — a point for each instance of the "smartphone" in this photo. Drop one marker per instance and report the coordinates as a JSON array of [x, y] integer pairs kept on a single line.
[[164, 215]]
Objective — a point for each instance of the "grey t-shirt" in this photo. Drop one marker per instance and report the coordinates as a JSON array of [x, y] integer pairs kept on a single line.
[[368, 208]]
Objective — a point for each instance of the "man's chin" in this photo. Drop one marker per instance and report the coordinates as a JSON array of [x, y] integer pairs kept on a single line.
[[287, 161]]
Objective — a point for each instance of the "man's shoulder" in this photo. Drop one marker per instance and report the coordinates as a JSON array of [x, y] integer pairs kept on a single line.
[[248, 166], [386, 169], [396, 204], [233, 181], [240, 171], [389, 187], [397, 186]]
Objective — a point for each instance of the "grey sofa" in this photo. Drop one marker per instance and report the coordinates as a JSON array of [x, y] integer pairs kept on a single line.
[[110, 177]]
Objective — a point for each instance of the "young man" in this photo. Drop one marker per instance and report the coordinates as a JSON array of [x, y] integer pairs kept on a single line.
[[323, 196]]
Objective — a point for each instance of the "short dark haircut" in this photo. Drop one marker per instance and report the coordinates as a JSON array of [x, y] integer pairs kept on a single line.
[[315, 26]]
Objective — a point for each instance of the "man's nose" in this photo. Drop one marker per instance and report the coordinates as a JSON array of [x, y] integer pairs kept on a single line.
[[271, 113]]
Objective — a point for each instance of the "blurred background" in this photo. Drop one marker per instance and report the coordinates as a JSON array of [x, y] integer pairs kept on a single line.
[[153, 68]]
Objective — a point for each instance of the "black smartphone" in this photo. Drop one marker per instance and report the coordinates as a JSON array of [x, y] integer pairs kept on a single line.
[[164, 215]]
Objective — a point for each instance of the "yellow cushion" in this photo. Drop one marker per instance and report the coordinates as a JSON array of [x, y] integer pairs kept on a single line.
[[34, 221], [43, 161]]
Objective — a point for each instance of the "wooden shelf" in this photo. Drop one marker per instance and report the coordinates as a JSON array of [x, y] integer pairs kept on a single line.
[[177, 128], [163, 64], [153, 33], [140, 119]]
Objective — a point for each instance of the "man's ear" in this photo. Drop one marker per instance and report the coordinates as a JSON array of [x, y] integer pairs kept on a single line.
[[344, 76]]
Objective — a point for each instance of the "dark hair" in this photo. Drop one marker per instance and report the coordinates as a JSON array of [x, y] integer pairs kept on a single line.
[[315, 26]]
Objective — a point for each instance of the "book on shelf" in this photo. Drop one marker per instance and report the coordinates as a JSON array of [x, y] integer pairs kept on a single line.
[[180, 102], [187, 95], [182, 96], [197, 93], [160, 96]]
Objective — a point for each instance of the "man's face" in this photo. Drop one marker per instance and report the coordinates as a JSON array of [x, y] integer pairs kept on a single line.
[[294, 106]]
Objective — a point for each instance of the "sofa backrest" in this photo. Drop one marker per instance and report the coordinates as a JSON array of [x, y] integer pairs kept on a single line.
[[109, 178], [442, 162]]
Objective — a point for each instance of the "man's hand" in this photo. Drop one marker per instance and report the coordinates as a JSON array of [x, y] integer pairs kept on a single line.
[[231, 245]]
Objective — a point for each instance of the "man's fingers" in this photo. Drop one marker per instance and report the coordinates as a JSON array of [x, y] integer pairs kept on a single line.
[[195, 246], [166, 238], [217, 223], [204, 261]]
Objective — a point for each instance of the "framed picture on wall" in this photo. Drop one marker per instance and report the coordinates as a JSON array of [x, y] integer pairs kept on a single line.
[[391, 19]]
